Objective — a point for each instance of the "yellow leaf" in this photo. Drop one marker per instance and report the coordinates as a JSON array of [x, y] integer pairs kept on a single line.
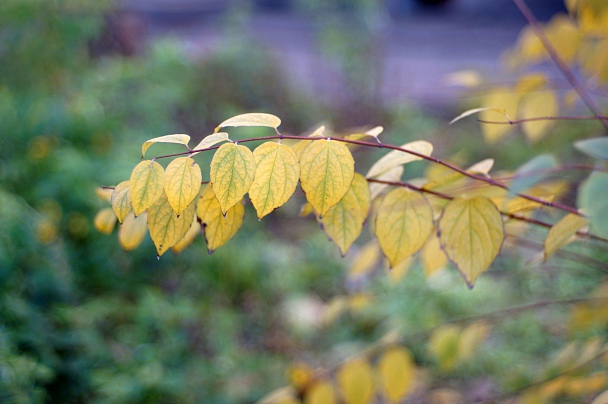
[[232, 173], [146, 185], [503, 99], [471, 232], [253, 119], [105, 194], [327, 170], [121, 200], [105, 220], [344, 221], [397, 157], [443, 344], [403, 224], [564, 36], [166, 228], [470, 338], [218, 228], [365, 261], [561, 233], [179, 139], [300, 375], [282, 395], [392, 175], [432, 256], [483, 167], [538, 105], [132, 231], [306, 210], [193, 231], [356, 382], [374, 132], [396, 371], [182, 182], [530, 82], [320, 393], [209, 141], [276, 177]]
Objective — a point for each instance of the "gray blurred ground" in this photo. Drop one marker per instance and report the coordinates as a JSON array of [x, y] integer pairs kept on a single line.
[[419, 45]]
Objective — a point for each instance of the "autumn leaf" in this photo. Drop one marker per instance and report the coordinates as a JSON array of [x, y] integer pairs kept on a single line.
[[396, 371], [403, 224], [179, 139], [191, 234], [182, 182], [561, 233], [327, 170], [105, 220], [499, 99], [132, 231], [471, 233], [121, 201], [166, 228], [356, 381], [232, 173], [538, 105], [209, 141], [146, 185], [253, 119], [344, 221], [397, 157], [218, 228], [321, 392], [276, 177]]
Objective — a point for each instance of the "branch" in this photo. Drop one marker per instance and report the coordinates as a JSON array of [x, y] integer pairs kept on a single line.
[[544, 118], [563, 67]]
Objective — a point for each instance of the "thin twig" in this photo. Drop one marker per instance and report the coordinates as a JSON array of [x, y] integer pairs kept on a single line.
[[562, 66], [544, 118]]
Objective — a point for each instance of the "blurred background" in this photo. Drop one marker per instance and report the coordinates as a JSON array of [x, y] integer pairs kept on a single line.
[[84, 83]]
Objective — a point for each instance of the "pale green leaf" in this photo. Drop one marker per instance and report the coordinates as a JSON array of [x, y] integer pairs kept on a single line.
[[105, 220], [178, 138], [594, 203], [209, 141], [166, 228], [356, 381], [276, 177], [146, 185], [121, 200], [561, 233], [182, 182], [327, 170], [218, 227], [397, 157], [193, 231], [471, 233], [404, 221], [476, 111], [253, 119], [396, 371], [232, 173], [597, 147], [132, 231], [344, 221], [533, 172]]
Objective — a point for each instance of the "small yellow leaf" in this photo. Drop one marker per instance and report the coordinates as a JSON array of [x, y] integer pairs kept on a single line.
[[253, 119], [471, 232], [146, 185], [432, 256], [105, 194], [503, 99], [483, 167], [530, 82], [396, 371], [320, 393], [344, 221], [306, 210], [392, 175], [182, 182], [403, 223], [121, 200], [356, 382], [276, 177], [561, 233], [232, 173], [166, 228], [218, 228], [105, 220], [209, 141], [132, 231], [365, 261], [471, 338], [300, 375], [443, 344], [179, 139], [327, 170], [193, 231], [397, 157], [374, 132], [538, 105]]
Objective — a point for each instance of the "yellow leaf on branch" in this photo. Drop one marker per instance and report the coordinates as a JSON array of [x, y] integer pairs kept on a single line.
[[193, 231], [538, 105], [232, 173], [209, 141], [396, 371], [182, 182], [146, 185], [503, 99], [276, 177], [105, 220], [179, 139], [327, 170], [253, 119], [132, 231], [356, 381], [397, 157], [121, 200], [219, 228], [166, 228], [561, 233]]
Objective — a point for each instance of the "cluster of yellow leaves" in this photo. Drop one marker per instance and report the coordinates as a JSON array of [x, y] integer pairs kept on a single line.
[[358, 381]]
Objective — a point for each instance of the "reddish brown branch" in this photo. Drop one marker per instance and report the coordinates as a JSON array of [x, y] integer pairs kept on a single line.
[[544, 118]]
